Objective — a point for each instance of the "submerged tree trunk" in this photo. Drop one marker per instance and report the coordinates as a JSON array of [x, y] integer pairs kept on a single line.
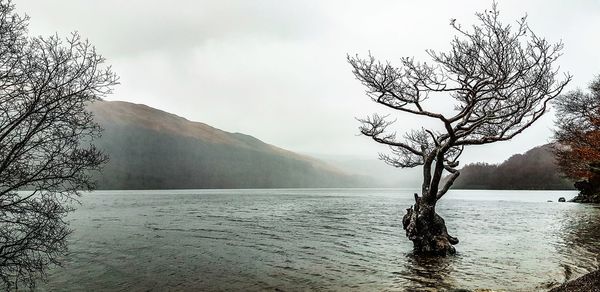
[[424, 227], [427, 229], [501, 81]]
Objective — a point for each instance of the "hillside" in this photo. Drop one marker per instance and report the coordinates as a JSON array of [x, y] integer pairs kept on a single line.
[[535, 169], [153, 149]]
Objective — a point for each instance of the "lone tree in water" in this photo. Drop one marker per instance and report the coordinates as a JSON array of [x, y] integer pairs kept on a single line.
[[500, 79], [577, 149], [45, 135]]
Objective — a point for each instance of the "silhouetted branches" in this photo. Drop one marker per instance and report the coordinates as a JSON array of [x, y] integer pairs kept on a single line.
[[46, 153], [500, 78]]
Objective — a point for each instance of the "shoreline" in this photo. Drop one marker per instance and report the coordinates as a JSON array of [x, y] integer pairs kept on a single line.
[[589, 282]]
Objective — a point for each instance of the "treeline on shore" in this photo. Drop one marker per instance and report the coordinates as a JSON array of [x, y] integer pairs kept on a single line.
[[534, 170]]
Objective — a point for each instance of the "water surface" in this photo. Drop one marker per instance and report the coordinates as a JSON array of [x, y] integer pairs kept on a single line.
[[321, 239]]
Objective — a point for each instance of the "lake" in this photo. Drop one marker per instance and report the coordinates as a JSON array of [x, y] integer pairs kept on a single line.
[[321, 239]]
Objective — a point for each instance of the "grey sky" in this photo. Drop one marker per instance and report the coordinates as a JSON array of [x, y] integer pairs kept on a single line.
[[277, 70]]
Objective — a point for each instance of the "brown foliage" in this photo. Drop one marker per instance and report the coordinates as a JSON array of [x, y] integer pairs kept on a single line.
[[578, 133]]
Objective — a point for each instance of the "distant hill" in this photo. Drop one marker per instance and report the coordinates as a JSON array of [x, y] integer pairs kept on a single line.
[[153, 149], [533, 170]]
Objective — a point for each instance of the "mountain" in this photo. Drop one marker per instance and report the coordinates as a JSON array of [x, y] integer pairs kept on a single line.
[[533, 170], [153, 149]]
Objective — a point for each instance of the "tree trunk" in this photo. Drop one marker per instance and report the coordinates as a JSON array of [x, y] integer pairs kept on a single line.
[[427, 229]]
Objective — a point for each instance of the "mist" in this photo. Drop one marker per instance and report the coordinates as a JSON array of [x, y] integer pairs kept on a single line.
[[277, 70]]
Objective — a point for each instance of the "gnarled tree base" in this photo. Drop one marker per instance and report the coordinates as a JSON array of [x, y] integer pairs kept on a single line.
[[427, 230]]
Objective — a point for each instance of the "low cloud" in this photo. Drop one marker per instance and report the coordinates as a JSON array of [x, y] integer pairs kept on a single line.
[[277, 69]]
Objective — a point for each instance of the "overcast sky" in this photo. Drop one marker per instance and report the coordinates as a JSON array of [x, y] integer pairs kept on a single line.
[[277, 69]]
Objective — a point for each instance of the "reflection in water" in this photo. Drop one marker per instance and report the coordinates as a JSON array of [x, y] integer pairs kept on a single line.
[[256, 240], [422, 272], [579, 235]]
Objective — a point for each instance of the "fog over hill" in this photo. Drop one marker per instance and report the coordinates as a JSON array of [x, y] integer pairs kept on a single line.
[[153, 149], [532, 170], [372, 166]]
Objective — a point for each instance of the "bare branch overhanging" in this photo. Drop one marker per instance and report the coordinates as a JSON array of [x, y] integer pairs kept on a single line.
[[46, 135], [501, 79]]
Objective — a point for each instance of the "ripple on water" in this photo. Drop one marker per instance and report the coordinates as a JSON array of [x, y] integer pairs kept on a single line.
[[258, 240]]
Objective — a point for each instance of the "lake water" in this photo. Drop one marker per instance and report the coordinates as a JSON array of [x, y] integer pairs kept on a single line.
[[321, 239]]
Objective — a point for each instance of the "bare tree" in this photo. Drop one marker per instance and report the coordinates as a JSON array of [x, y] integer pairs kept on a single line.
[[46, 133], [500, 78]]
